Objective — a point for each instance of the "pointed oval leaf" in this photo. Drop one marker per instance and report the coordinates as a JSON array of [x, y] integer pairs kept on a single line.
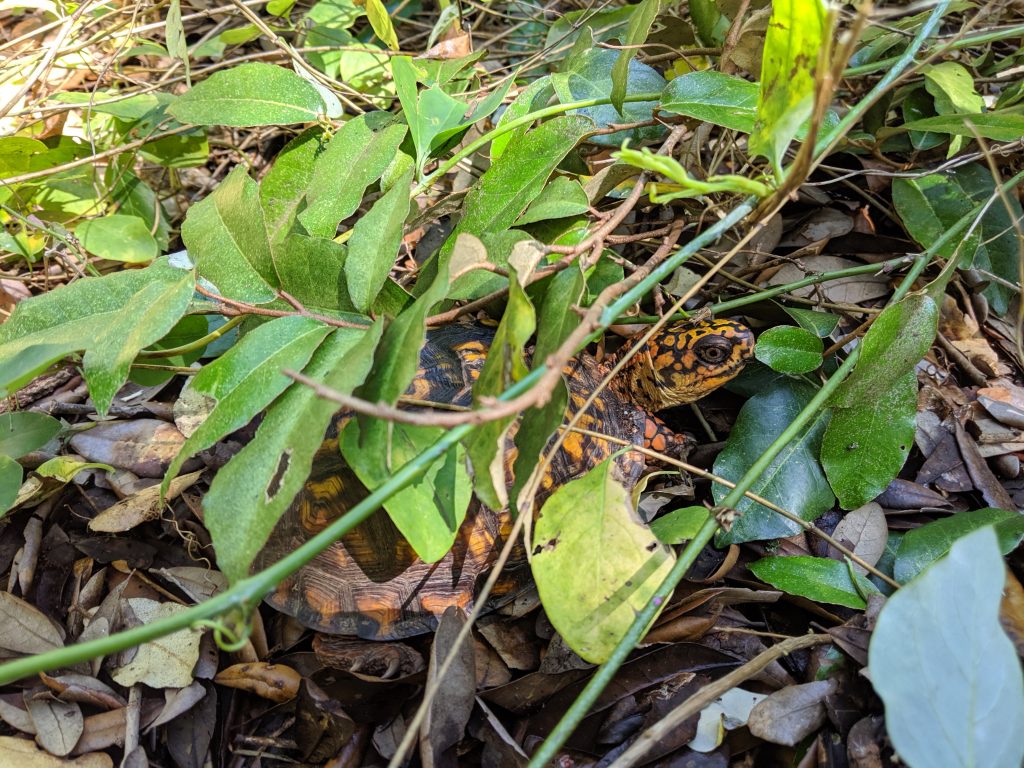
[[788, 349], [596, 564], [119, 238], [249, 95], [816, 578], [947, 673], [712, 97], [22, 432]]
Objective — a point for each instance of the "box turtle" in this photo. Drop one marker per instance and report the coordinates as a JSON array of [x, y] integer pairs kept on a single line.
[[370, 583]]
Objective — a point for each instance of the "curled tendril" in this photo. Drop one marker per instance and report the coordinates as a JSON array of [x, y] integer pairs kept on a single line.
[[230, 635]]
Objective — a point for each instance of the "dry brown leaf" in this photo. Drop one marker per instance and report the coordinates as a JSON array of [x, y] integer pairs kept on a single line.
[[163, 663], [58, 723], [275, 682], [83, 689], [143, 446], [789, 716], [140, 508], [25, 754], [25, 629], [449, 710], [865, 531]]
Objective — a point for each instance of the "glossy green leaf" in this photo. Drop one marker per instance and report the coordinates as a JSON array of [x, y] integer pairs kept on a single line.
[[374, 244], [561, 198], [900, 336], [640, 22], [504, 366], [119, 238], [595, 563], [429, 511], [816, 578], [713, 97], [866, 445], [226, 237], [925, 544], [354, 159], [930, 205], [587, 75], [680, 525], [112, 318], [821, 324], [794, 480], [710, 23], [952, 87], [998, 126], [22, 432], [10, 481], [947, 673], [249, 95], [788, 349], [230, 391], [250, 493], [796, 32], [31, 361]]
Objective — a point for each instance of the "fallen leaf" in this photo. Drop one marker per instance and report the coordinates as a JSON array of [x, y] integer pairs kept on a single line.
[[25, 629], [143, 506], [163, 663], [788, 716], [276, 682], [58, 723], [25, 754]]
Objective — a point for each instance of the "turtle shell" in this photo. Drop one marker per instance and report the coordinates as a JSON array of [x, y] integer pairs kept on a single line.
[[370, 583]]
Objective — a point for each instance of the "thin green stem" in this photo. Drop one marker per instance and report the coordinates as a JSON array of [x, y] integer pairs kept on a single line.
[[192, 346], [246, 594], [519, 122]]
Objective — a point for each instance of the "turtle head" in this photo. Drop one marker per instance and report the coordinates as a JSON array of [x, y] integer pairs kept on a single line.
[[685, 362]]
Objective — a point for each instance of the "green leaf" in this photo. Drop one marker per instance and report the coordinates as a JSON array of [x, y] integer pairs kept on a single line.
[[713, 97], [561, 198], [816, 578], [953, 89], [250, 95], [924, 545], [229, 392], [866, 445], [947, 673], [595, 563], [251, 492], [900, 336], [588, 76], [930, 205], [312, 270], [31, 361], [788, 349], [226, 238], [355, 158], [504, 366], [119, 238], [10, 481], [428, 512], [283, 190], [680, 525], [533, 97], [381, 23], [174, 36], [796, 32], [794, 480], [516, 179], [112, 318], [639, 28], [189, 329], [602, 24], [22, 432], [821, 324], [557, 321], [998, 126], [374, 245]]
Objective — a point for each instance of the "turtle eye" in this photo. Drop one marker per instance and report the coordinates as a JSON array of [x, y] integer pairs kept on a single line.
[[713, 351]]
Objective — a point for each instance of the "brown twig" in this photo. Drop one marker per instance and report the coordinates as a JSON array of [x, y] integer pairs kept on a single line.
[[234, 307]]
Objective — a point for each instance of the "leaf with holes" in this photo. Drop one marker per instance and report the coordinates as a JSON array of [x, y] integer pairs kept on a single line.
[[596, 564]]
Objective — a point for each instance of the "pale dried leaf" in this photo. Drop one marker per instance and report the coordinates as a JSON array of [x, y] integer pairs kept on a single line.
[[790, 715], [140, 508], [163, 663], [196, 582], [143, 446], [16, 717], [84, 689], [25, 754], [59, 724], [865, 531], [25, 629]]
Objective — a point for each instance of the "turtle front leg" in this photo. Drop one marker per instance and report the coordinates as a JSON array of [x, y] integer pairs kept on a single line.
[[658, 436]]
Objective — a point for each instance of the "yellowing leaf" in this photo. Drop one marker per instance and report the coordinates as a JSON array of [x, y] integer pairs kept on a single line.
[[596, 564]]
